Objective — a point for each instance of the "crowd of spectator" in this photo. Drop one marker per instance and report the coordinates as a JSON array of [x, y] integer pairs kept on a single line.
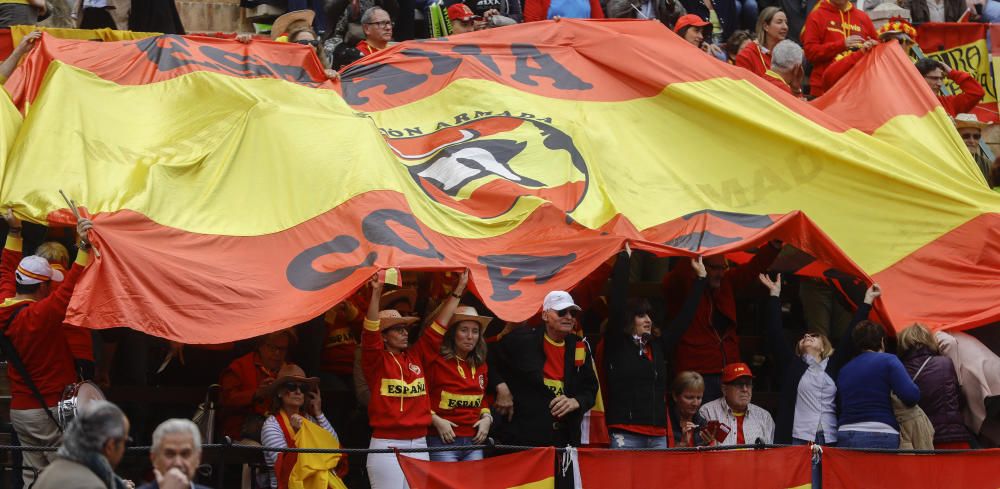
[[417, 365]]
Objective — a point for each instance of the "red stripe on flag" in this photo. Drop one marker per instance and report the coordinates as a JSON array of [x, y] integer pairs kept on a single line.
[[966, 470], [535, 467]]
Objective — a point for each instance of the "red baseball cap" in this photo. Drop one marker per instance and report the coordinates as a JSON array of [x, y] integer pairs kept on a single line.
[[461, 11], [684, 21], [734, 371]]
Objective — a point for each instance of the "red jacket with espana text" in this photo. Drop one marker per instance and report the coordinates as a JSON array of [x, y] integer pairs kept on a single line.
[[399, 408], [825, 36], [456, 388]]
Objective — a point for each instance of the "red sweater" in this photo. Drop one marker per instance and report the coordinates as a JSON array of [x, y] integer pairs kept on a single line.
[[37, 335], [399, 408], [972, 93], [539, 10], [456, 389], [701, 348], [840, 66], [339, 345], [825, 36], [239, 381], [754, 59]]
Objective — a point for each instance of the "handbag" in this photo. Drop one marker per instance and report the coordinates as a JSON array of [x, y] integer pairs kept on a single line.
[[915, 429]]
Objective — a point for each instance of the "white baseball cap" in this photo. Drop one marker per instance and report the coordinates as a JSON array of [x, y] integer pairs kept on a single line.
[[35, 270], [557, 300]]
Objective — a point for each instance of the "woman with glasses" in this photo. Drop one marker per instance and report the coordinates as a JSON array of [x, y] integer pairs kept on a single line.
[[634, 361], [294, 399], [807, 410]]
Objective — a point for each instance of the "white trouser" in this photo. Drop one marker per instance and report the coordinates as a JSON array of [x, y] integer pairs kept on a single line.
[[35, 429], [383, 468]]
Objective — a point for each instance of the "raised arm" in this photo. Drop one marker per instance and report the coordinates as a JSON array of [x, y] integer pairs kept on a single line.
[[682, 321], [429, 343], [782, 355], [10, 64], [845, 347]]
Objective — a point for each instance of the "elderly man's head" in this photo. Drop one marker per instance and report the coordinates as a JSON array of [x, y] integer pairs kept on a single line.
[[786, 60], [559, 313], [176, 445], [737, 386], [100, 427], [971, 131], [377, 26]]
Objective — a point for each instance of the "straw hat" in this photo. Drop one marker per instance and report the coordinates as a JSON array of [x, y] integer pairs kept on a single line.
[[393, 296], [390, 318], [291, 372], [969, 120], [283, 24], [469, 313]]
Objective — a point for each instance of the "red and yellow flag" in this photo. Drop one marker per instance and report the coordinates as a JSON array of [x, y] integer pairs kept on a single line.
[[970, 469], [231, 197], [530, 469]]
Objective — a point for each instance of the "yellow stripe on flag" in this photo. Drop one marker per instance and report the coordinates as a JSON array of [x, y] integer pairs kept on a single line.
[[548, 483]]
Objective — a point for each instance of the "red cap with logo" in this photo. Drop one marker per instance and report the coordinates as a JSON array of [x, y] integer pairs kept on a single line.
[[461, 11], [734, 371], [686, 20]]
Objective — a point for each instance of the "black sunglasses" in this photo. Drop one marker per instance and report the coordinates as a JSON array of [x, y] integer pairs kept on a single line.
[[308, 42], [295, 386], [569, 311]]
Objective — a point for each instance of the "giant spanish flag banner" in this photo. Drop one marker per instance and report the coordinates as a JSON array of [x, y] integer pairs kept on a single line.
[[975, 469], [235, 191], [529, 469], [775, 468], [963, 47]]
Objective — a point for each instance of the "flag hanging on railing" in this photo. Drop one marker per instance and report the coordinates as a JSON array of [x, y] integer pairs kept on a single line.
[[528, 469]]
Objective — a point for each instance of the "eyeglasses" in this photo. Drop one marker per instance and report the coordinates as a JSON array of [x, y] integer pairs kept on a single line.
[[294, 386], [569, 311], [972, 135], [382, 24], [308, 42]]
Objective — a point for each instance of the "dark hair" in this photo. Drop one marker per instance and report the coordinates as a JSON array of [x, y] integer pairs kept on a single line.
[[734, 41], [636, 307], [27, 288], [476, 357], [927, 65], [868, 336]]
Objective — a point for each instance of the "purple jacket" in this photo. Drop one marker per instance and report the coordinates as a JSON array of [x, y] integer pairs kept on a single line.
[[939, 394]]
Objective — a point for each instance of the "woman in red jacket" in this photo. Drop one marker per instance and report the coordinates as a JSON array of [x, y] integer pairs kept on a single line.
[[772, 28], [456, 378], [399, 411]]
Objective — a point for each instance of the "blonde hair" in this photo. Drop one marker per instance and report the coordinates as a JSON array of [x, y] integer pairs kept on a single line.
[[826, 351], [687, 380], [765, 18], [915, 336], [54, 252]]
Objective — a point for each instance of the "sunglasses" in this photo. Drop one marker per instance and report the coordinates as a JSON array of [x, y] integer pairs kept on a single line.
[[569, 311], [295, 386], [308, 42]]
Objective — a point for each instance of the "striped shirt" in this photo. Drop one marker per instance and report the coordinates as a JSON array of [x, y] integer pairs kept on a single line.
[[271, 436], [757, 422]]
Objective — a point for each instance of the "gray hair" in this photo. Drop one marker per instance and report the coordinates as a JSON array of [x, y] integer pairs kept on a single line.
[[176, 426], [367, 16], [786, 55], [90, 430]]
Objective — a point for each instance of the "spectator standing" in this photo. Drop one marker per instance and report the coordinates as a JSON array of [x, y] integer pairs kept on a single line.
[[80, 340], [748, 423], [786, 70], [935, 375], [92, 448], [665, 11], [723, 15], [32, 316], [399, 411], [934, 10], [971, 131], [797, 11], [535, 10], [377, 26], [295, 400], [864, 386], [635, 369], [807, 410], [686, 423], [711, 342], [691, 28], [832, 28], [21, 12], [176, 455], [155, 16], [978, 370], [10, 64], [772, 28], [497, 13], [244, 385], [934, 73]]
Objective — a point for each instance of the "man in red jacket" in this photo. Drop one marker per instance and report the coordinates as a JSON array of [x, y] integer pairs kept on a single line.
[[570, 9], [934, 73], [832, 28], [32, 321], [710, 342]]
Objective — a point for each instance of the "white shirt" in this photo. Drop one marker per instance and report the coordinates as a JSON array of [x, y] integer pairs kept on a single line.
[[815, 405], [757, 422], [936, 10], [95, 3]]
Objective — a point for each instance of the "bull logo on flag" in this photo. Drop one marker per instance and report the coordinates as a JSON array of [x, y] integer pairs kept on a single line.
[[482, 167]]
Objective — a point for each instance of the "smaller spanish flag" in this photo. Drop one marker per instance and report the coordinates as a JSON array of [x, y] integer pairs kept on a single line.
[[522, 470]]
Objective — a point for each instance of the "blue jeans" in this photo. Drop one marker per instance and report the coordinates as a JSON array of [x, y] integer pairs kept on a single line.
[[453, 455], [867, 439], [625, 440]]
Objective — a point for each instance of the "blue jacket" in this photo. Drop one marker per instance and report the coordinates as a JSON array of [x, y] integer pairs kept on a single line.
[[864, 385]]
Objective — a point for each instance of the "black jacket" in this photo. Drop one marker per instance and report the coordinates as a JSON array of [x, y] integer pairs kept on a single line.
[[519, 361], [637, 387], [794, 367]]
